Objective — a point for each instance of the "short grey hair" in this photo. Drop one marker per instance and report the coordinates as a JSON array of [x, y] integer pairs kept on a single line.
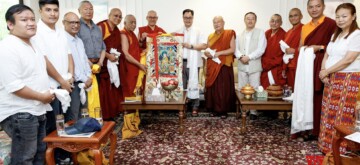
[[83, 2], [127, 17]]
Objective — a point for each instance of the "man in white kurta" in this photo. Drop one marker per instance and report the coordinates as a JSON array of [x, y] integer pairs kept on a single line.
[[250, 46], [24, 88], [194, 41], [53, 43]]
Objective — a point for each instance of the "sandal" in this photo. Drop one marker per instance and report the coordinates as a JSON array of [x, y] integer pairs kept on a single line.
[[194, 112], [223, 116]]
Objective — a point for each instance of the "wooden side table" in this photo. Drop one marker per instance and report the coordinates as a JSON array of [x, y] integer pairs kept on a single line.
[[341, 132], [75, 145], [245, 105], [179, 105]]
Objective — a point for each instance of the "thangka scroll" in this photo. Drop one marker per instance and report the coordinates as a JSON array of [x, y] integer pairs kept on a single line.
[[164, 67]]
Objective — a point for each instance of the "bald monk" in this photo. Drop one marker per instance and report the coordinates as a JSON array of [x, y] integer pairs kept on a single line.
[[292, 38], [129, 60], [150, 28], [317, 34], [110, 95], [220, 87], [272, 59]]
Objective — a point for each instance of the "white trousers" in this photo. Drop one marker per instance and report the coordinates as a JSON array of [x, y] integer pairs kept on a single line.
[[253, 79]]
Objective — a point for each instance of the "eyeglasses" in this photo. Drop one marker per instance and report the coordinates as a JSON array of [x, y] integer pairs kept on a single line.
[[153, 17], [188, 18], [73, 22]]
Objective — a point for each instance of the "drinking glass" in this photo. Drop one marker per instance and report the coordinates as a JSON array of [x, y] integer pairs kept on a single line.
[[98, 115], [84, 113]]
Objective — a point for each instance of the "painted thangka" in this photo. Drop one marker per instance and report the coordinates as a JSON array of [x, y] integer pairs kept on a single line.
[[164, 62]]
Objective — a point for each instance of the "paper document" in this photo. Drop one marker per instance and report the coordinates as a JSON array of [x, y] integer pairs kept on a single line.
[[78, 135], [354, 137]]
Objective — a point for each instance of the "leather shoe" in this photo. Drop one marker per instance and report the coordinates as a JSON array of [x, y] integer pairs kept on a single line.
[[253, 117]]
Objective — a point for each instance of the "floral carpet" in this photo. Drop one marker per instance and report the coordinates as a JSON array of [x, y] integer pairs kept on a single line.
[[211, 140]]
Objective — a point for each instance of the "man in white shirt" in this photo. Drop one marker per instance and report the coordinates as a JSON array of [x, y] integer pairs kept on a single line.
[[24, 88], [250, 46], [194, 42], [53, 44], [82, 70]]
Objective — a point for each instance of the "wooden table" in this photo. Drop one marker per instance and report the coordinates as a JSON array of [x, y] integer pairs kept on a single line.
[[156, 105], [245, 105], [72, 144], [341, 132]]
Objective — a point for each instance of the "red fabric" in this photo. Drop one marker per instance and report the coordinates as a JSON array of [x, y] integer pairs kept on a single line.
[[147, 29], [321, 35], [292, 38], [221, 43], [128, 71], [290, 73], [110, 96], [272, 58], [220, 97]]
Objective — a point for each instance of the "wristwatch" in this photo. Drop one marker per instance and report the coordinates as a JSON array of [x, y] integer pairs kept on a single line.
[[191, 47]]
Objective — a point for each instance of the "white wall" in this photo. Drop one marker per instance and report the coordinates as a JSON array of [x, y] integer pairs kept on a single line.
[[170, 11]]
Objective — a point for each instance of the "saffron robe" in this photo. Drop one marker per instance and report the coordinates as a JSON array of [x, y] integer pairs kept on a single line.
[[272, 58], [147, 29], [321, 35], [110, 96], [220, 88], [292, 38], [128, 71]]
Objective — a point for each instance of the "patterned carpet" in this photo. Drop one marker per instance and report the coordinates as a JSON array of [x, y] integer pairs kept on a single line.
[[211, 140]]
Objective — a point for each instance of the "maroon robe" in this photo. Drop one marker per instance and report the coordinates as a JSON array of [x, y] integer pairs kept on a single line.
[[129, 72], [110, 96], [272, 58], [220, 89], [292, 38], [321, 35], [147, 29]]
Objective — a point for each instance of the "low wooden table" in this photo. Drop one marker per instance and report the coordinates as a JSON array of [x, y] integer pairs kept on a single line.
[[155, 105], [341, 132], [245, 105], [72, 144]]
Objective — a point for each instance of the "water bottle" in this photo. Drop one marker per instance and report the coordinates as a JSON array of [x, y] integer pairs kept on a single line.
[[60, 124]]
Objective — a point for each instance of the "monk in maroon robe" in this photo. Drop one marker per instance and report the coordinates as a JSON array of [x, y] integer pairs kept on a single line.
[[317, 34], [151, 28], [272, 58], [110, 95], [319, 39], [292, 38], [129, 60], [220, 88]]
